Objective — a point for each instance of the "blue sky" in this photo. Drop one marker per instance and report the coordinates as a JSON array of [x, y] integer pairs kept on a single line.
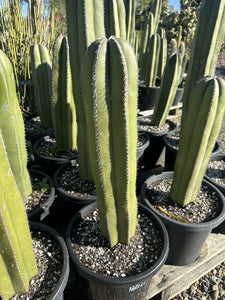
[[175, 3]]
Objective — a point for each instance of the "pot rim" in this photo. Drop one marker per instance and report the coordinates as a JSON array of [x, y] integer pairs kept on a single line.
[[173, 222], [117, 282]]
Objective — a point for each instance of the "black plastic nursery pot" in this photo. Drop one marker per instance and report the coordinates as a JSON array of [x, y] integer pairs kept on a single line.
[[57, 293], [157, 145], [186, 239], [171, 152], [41, 212], [144, 145], [49, 163], [78, 201], [126, 288], [147, 97], [178, 96]]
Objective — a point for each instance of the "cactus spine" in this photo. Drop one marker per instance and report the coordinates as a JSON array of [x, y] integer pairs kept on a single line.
[[208, 39], [153, 49], [115, 18], [110, 68], [62, 96], [17, 263], [197, 138], [12, 127], [42, 75], [168, 88]]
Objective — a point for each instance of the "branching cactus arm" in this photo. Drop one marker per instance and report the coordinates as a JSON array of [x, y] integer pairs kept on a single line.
[[111, 108]]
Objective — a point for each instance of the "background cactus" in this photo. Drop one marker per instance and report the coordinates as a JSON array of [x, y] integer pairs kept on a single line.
[[115, 18], [162, 53], [208, 39], [110, 68], [17, 263], [197, 138], [152, 59], [167, 91], [62, 96], [130, 8], [12, 127], [41, 67]]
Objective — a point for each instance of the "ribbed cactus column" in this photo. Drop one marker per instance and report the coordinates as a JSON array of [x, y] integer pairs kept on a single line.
[[42, 75], [115, 18], [62, 96], [209, 36], [162, 53], [12, 127], [197, 138], [110, 69], [152, 59], [167, 91], [130, 7], [156, 7], [85, 23]]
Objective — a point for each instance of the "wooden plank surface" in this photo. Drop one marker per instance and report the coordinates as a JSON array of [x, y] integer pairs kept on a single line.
[[171, 280]]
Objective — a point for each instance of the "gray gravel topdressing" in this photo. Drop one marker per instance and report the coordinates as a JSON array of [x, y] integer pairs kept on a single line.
[[206, 208], [94, 251], [145, 125]]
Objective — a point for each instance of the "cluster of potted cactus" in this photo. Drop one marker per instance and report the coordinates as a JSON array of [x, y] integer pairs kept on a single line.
[[89, 96]]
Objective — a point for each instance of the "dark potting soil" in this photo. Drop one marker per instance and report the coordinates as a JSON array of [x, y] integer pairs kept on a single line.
[[216, 171], [94, 251], [34, 126], [40, 192], [145, 125], [205, 208], [71, 183], [49, 148], [49, 260], [173, 140], [142, 139]]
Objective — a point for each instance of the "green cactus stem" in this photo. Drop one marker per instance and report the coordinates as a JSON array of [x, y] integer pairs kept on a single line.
[[115, 18], [17, 261], [62, 96], [12, 127], [146, 35], [130, 8], [173, 46], [41, 68], [197, 138], [167, 91], [156, 7], [153, 49], [85, 23], [209, 36], [162, 56], [110, 68]]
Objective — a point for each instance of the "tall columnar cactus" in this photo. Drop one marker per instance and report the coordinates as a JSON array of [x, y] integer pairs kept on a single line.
[[146, 35], [209, 36], [156, 7], [130, 8], [110, 69], [167, 91], [152, 59], [12, 127], [173, 46], [41, 68], [115, 18], [197, 138], [85, 24], [17, 263], [162, 55], [64, 111]]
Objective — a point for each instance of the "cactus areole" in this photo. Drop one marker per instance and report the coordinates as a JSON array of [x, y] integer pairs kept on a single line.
[[109, 83]]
